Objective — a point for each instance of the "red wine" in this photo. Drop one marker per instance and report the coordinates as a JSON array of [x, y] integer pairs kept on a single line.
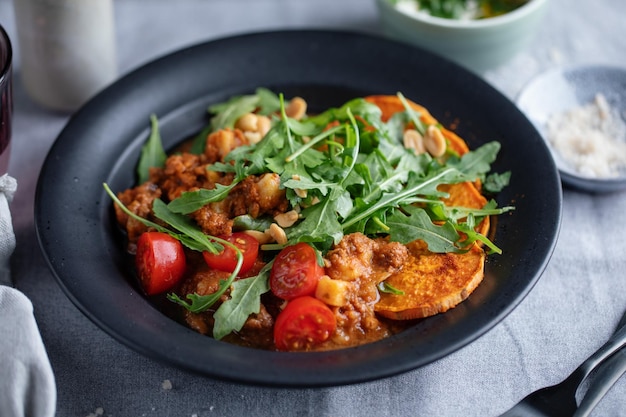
[[6, 100]]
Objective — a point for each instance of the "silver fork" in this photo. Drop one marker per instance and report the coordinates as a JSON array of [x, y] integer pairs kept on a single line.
[[560, 400], [603, 378]]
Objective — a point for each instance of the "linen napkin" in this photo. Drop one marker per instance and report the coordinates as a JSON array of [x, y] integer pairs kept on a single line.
[[27, 385], [8, 186]]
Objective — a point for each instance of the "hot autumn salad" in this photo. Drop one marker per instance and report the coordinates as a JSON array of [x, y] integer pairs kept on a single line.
[[279, 229]]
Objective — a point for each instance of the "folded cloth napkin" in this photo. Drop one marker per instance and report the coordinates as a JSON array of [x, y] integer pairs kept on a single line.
[[27, 386], [8, 186]]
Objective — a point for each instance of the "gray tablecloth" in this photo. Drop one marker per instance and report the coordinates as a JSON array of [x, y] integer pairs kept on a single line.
[[571, 312]]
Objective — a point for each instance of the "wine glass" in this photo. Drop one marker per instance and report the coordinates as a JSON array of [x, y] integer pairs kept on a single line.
[[6, 99]]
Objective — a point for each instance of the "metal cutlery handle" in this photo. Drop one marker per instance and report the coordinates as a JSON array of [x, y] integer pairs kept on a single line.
[[616, 342], [606, 375]]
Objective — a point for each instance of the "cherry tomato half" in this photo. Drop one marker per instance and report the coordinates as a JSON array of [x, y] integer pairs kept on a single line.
[[295, 272], [160, 262], [304, 323], [226, 260]]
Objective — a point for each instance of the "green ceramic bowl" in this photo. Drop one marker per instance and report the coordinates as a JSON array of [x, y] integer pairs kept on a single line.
[[478, 45]]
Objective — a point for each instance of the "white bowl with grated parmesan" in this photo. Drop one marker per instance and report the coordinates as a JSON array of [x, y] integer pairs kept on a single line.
[[591, 139], [581, 114]]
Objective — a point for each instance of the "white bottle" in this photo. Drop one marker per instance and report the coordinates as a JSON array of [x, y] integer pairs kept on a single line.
[[67, 50]]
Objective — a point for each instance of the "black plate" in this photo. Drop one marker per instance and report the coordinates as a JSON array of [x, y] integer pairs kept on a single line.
[[101, 143]]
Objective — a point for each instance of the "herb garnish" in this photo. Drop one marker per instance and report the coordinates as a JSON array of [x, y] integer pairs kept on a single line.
[[152, 153]]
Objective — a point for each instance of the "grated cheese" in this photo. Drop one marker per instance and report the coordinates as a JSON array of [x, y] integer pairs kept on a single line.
[[591, 139], [98, 413], [166, 385]]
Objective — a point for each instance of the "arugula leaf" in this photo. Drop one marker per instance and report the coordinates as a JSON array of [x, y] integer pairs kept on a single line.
[[257, 157], [477, 162], [320, 225], [412, 223], [395, 153], [495, 182], [413, 115], [247, 222], [227, 113], [303, 128], [394, 128], [320, 136], [472, 236], [352, 147], [473, 217], [307, 183], [199, 141], [389, 289], [245, 299], [200, 303], [344, 204], [190, 201], [360, 107], [380, 176], [152, 153], [456, 213], [278, 165], [268, 101]]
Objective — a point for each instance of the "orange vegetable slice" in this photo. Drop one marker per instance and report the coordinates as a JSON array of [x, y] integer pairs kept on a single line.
[[432, 282]]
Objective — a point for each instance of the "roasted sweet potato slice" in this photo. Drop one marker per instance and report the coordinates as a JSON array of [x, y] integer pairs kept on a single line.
[[391, 104], [436, 282], [432, 282]]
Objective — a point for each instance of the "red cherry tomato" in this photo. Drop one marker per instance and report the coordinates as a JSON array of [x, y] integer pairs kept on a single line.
[[304, 323], [295, 272], [226, 260], [160, 262]]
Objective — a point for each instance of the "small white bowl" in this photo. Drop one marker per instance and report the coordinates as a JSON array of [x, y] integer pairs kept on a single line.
[[478, 45], [563, 89]]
